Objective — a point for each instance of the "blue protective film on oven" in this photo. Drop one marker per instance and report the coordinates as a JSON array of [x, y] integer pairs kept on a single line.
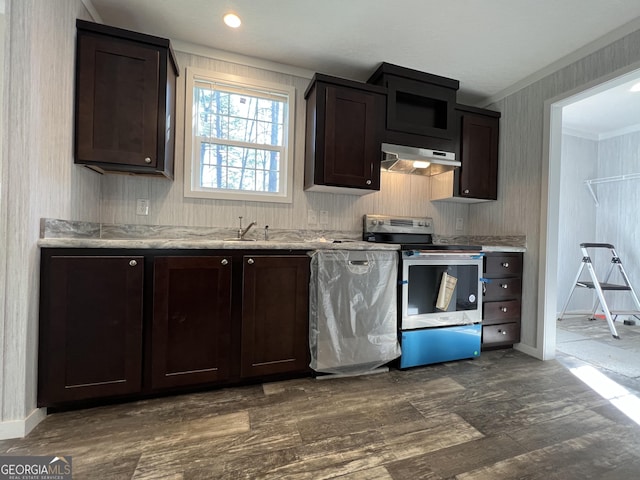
[[485, 280], [436, 345]]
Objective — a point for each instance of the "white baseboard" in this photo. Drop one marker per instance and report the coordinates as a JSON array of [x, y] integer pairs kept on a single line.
[[531, 351], [21, 428]]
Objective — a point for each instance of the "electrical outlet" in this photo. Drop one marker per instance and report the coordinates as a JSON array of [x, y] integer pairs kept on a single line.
[[459, 223], [324, 217], [142, 206], [312, 217]]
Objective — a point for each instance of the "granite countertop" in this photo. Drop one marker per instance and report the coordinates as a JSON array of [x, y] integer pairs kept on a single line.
[[73, 234], [212, 244]]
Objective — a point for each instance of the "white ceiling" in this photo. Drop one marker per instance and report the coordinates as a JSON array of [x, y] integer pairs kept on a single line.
[[612, 112], [489, 45]]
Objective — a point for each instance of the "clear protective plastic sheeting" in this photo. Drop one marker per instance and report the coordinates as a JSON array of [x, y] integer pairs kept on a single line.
[[353, 321]]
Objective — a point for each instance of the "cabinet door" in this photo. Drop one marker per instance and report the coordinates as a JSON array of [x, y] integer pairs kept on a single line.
[[353, 128], [275, 315], [479, 157], [191, 332], [90, 328], [117, 88]]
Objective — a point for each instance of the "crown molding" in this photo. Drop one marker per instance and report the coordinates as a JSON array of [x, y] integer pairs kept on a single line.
[[567, 60], [92, 11]]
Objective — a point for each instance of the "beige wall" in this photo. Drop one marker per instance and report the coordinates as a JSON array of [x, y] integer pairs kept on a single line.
[[39, 180], [521, 164], [399, 194]]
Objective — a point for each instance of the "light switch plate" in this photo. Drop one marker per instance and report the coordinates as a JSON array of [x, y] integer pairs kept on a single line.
[[459, 223]]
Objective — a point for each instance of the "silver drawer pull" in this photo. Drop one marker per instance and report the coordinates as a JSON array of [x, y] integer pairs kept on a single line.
[[224, 261], [504, 285], [504, 332], [503, 309], [251, 261], [147, 160], [368, 182], [359, 262], [133, 263], [505, 264]]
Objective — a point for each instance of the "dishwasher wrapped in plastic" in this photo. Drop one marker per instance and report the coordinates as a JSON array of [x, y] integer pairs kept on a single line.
[[353, 311]]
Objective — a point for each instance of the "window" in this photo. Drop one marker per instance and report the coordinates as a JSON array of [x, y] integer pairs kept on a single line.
[[238, 138]]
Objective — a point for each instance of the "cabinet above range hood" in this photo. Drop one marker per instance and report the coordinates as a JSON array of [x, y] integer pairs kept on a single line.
[[417, 161], [420, 124]]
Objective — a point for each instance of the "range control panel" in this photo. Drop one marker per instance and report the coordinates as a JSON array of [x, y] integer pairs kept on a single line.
[[389, 224]]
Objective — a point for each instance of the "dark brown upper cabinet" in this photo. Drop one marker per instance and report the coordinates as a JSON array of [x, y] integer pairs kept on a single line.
[[420, 107], [477, 179], [345, 122], [125, 101]]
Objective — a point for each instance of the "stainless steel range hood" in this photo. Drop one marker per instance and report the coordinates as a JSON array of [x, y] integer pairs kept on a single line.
[[417, 161]]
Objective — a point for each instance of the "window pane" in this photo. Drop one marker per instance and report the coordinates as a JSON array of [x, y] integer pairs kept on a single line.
[[243, 118], [239, 138], [239, 168]]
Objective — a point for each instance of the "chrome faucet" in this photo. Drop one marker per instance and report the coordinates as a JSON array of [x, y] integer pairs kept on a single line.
[[241, 232]]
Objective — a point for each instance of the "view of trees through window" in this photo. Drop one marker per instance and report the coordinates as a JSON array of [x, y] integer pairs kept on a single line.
[[239, 137]]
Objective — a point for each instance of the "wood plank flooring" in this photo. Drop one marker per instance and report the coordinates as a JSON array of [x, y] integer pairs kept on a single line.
[[501, 416]]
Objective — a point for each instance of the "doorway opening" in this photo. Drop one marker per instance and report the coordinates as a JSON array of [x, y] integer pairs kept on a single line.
[[593, 193]]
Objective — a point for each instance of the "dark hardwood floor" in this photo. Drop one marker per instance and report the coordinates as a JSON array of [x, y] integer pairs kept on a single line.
[[501, 416]]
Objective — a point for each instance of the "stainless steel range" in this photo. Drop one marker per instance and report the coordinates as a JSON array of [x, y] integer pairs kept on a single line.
[[439, 291]]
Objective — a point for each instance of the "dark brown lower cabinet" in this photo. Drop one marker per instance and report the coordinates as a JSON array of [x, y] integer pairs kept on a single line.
[[130, 323], [191, 330], [275, 303], [90, 327], [501, 302]]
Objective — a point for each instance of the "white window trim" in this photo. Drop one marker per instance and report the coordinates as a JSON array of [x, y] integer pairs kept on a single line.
[[191, 161]]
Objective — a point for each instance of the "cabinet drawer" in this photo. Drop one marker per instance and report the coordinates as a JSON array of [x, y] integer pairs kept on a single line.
[[502, 334], [503, 265], [498, 288], [498, 312]]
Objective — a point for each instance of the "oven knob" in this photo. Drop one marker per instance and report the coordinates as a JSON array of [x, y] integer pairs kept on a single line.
[[421, 224], [374, 222]]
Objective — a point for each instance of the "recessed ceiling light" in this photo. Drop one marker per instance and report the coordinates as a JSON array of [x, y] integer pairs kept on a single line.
[[636, 87], [232, 20]]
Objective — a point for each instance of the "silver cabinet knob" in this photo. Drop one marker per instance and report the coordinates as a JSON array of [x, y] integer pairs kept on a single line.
[[368, 182], [503, 309], [251, 261], [224, 261], [505, 264], [504, 332], [147, 160], [133, 263], [504, 285], [466, 190]]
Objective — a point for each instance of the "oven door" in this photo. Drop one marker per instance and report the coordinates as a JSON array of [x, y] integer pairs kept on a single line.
[[440, 290]]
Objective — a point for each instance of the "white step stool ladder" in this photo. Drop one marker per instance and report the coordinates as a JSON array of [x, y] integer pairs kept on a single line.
[[601, 286]]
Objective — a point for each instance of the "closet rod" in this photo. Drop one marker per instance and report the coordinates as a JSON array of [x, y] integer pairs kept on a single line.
[[616, 178]]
